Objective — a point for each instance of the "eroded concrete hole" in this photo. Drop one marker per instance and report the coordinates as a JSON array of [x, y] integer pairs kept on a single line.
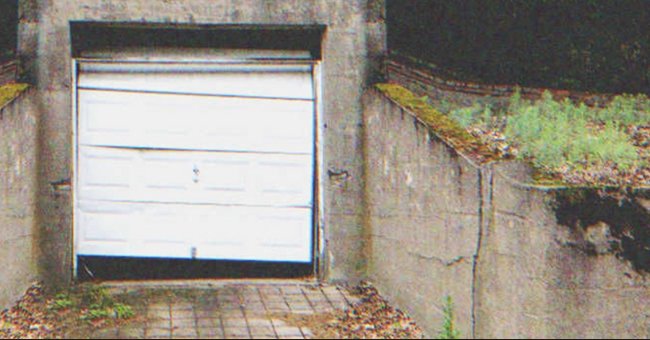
[[608, 223]]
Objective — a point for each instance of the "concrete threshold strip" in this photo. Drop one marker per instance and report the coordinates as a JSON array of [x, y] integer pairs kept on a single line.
[[202, 283]]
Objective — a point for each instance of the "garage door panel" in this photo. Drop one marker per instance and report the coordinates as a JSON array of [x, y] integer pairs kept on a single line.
[[254, 81], [195, 123], [215, 232], [105, 169], [121, 174]]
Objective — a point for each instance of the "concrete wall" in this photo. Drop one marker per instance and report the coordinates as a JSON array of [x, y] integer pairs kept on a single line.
[[352, 48], [423, 215], [519, 261], [18, 154]]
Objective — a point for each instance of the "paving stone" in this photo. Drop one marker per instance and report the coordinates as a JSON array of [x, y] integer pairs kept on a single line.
[[158, 313], [269, 290], [234, 322], [273, 299], [340, 304], [288, 331], [257, 332], [306, 332], [158, 306], [332, 293], [259, 322], [108, 333], [131, 332], [295, 298], [208, 322], [277, 307], [159, 323], [291, 290], [177, 307], [252, 296], [212, 333], [278, 323], [182, 323], [184, 332], [182, 314], [239, 332], [230, 306], [232, 314], [157, 332], [256, 309], [300, 307], [323, 308], [207, 314]]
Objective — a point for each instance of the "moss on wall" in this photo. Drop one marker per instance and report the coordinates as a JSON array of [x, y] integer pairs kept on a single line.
[[448, 130], [10, 92]]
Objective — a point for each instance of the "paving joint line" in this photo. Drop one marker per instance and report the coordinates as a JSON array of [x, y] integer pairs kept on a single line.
[[240, 297], [267, 313]]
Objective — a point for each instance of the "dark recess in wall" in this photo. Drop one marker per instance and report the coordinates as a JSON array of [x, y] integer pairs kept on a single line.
[[91, 35], [8, 29]]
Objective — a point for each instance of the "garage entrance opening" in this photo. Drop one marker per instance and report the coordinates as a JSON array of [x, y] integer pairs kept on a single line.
[[189, 167]]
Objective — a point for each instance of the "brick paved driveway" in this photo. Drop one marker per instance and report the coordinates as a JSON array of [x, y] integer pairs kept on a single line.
[[237, 310]]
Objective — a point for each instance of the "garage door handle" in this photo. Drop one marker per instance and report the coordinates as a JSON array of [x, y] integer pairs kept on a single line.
[[195, 177]]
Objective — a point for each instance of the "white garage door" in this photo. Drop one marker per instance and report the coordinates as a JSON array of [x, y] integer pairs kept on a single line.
[[195, 161]]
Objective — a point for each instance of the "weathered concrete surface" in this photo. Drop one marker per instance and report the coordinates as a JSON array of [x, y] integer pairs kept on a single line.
[[354, 35], [18, 155], [518, 260], [562, 263], [423, 204]]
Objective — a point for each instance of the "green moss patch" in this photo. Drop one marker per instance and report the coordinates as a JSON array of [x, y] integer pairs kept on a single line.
[[10, 92], [447, 129]]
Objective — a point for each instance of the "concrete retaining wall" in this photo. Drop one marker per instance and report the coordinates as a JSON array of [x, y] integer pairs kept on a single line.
[[18, 153], [518, 260]]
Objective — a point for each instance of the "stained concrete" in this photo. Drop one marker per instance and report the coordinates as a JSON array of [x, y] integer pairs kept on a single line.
[[18, 166], [352, 48], [518, 260]]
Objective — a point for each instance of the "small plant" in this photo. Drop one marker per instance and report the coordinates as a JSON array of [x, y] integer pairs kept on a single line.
[[96, 313], [102, 305], [449, 330], [96, 295], [123, 311], [467, 116], [61, 301], [627, 109]]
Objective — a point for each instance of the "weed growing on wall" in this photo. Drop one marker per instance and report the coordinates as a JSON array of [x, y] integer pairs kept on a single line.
[[448, 330]]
